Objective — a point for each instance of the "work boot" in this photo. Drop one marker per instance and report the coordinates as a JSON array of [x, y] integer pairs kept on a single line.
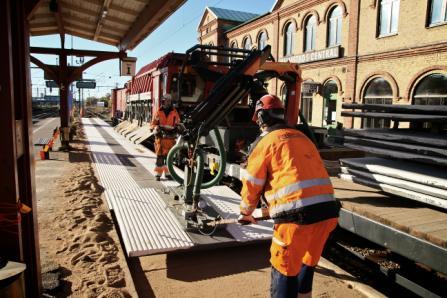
[[168, 177], [157, 178]]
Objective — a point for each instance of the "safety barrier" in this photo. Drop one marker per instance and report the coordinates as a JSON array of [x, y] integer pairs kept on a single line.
[[45, 152]]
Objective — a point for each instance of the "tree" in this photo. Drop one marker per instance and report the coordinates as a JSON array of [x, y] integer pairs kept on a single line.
[[91, 101]]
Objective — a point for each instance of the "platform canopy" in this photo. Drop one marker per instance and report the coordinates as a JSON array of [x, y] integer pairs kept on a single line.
[[120, 23]]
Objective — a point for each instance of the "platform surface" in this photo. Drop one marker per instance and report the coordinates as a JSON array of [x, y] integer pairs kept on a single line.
[[146, 218]]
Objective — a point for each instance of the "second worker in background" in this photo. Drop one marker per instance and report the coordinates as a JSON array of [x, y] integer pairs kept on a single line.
[[164, 125]]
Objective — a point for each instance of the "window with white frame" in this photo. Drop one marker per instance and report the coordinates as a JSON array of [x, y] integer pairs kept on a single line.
[[246, 43], [289, 39], [262, 40], [438, 12], [335, 26], [311, 33], [431, 90], [389, 17]]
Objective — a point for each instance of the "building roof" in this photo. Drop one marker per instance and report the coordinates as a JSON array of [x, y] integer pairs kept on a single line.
[[122, 23], [232, 15], [229, 29]]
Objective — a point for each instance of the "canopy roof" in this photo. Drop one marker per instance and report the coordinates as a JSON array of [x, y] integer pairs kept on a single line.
[[120, 23]]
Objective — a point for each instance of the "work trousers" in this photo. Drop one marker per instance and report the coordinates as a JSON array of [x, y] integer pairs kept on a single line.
[[295, 251], [162, 147], [283, 286]]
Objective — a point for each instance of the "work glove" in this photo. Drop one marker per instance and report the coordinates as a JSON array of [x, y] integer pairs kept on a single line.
[[246, 219], [157, 131], [180, 128]]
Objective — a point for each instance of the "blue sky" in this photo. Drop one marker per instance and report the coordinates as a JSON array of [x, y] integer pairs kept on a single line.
[[178, 33]]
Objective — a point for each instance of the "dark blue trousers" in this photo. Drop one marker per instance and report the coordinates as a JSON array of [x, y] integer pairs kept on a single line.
[[289, 286]]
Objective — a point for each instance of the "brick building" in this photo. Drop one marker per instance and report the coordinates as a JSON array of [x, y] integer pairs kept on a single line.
[[370, 51]]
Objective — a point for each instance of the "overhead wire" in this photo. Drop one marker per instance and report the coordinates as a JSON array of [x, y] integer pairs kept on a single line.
[[171, 35]]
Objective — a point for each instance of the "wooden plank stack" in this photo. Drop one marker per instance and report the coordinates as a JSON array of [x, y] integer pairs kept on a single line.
[[412, 162]]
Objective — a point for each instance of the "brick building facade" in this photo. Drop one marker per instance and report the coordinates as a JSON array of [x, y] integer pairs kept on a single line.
[[370, 51]]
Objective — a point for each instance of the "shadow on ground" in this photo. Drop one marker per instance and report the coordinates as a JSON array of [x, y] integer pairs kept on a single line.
[[206, 264]]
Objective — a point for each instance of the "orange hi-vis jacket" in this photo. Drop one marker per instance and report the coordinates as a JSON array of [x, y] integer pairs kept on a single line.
[[166, 122], [285, 167]]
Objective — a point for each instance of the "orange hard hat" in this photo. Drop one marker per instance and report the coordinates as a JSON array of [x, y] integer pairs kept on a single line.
[[267, 102]]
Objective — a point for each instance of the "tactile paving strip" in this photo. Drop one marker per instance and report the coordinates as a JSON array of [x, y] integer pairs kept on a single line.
[[146, 223], [111, 171]]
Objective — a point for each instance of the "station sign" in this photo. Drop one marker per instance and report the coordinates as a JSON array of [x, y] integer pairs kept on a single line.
[[90, 84], [128, 66], [326, 54], [310, 87], [51, 84]]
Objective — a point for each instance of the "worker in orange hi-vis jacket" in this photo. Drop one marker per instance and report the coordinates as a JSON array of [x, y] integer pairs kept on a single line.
[[285, 168], [164, 124]]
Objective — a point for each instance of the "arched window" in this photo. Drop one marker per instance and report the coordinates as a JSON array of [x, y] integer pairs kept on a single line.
[[310, 34], [307, 102], [233, 45], [378, 91], [289, 39], [246, 43], [330, 95], [431, 90], [262, 40], [211, 57], [335, 26]]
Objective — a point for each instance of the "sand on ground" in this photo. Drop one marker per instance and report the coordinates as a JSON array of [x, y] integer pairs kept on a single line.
[[229, 272], [78, 242]]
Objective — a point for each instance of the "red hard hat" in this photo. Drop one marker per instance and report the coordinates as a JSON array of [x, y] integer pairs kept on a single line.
[[267, 102]]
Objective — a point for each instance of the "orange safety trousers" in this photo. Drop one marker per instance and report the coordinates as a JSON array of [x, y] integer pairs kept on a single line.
[[162, 147], [294, 245]]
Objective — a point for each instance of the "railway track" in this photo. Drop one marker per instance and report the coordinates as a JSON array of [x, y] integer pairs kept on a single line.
[[385, 271], [90, 113], [382, 269], [43, 113]]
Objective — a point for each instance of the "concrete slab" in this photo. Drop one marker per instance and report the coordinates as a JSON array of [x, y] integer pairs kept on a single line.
[[406, 170], [146, 223], [413, 186], [397, 191], [399, 154]]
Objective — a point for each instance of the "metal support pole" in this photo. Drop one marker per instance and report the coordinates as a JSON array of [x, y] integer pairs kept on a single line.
[[63, 97]]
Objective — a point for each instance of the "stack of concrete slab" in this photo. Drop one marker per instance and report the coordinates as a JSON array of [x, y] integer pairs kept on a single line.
[[412, 161], [423, 145], [405, 144], [415, 181]]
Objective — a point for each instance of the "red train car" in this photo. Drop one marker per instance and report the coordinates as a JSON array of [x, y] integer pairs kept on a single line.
[[119, 102]]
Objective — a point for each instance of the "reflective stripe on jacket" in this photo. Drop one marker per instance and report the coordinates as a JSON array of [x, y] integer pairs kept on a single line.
[[286, 168], [165, 122]]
